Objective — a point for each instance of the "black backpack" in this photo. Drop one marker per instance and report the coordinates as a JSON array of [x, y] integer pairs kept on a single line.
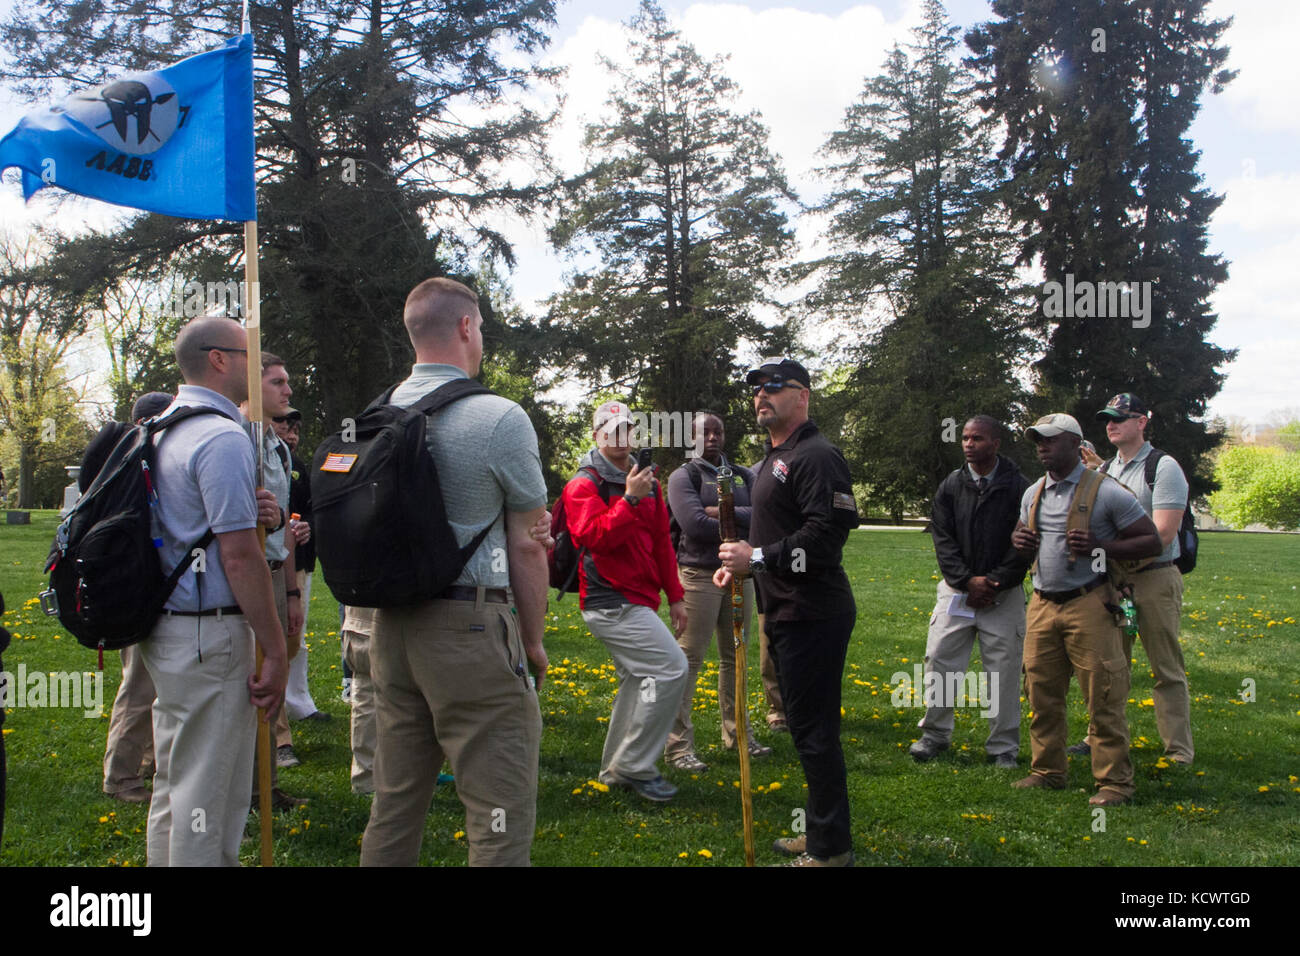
[[564, 556], [107, 584], [1188, 540], [380, 524]]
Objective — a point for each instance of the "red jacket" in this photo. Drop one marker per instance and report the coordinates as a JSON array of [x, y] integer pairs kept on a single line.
[[629, 556]]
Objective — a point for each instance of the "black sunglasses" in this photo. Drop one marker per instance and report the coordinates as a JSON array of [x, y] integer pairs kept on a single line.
[[221, 348], [774, 385]]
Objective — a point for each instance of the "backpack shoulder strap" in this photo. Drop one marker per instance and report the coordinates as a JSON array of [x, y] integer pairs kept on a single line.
[[592, 475], [1152, 463], [449, 392], [1035, 505], [155, 425], [1084, 499]]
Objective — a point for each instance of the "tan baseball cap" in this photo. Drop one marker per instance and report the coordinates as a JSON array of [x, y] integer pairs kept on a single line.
[[1057, 423]]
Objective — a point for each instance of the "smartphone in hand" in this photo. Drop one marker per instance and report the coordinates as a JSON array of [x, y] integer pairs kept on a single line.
[[643, 459]]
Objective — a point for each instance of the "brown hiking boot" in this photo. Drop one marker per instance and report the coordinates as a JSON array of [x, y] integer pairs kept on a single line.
[[807, 859], [1035, 780], [791, 846]]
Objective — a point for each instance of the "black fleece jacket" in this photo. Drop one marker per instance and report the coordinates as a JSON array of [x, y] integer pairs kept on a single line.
[[972, 532]]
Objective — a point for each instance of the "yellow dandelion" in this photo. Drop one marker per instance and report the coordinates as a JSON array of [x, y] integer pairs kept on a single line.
[[708, 855]]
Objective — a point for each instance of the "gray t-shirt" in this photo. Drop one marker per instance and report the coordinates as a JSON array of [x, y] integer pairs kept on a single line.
[[486, 452], [1170, 492], [205, 479], [1115, 509]]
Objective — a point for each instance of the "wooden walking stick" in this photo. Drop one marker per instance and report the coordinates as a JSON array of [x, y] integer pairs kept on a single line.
[[253, 326], [727, 525]]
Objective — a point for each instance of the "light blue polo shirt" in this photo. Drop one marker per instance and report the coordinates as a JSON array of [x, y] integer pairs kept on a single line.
[[1170, 492], [205, 479]]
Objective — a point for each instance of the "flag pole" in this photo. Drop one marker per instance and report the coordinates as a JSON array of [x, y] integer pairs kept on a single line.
[[253, 326]]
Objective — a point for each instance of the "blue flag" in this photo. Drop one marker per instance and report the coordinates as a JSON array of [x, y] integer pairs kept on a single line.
[[177, 141]]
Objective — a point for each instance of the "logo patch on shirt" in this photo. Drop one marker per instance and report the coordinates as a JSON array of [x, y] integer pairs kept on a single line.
[[780, 470], [840, 499], [339, 463]]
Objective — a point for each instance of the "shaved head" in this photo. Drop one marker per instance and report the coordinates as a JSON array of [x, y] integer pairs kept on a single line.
[[198, 335], [434, 309]]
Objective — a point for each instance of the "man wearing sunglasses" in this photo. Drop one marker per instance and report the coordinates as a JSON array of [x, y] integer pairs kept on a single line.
[[803, 510]]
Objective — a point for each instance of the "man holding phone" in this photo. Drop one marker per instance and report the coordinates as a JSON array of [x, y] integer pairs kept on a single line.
[[616, 514]]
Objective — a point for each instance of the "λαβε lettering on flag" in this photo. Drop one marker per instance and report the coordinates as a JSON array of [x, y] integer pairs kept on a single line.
[[176, 141]]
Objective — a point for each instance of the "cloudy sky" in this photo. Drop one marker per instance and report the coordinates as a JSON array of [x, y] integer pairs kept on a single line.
[[801, 62]]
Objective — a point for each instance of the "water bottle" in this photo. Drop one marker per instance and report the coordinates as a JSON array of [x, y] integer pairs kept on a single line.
[[1130, 616]]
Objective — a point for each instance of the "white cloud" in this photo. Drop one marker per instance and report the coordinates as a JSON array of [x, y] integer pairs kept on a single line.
[[1261, 40], [1261, 380], [1268, 204]]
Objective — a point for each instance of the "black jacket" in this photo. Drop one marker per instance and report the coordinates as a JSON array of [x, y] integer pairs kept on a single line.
[[304, 555], [803, 510], [972, 532]]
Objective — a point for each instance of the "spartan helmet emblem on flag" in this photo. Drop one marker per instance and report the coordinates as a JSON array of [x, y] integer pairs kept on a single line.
[[135, 116]]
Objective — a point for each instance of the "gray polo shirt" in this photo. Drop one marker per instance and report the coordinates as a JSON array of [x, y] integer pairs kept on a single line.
[[1115, 509], [1170, 491], [486, 452], [205, 479]]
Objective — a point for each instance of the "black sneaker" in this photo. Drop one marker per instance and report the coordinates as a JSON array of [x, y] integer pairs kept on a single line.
[[1081, 749]]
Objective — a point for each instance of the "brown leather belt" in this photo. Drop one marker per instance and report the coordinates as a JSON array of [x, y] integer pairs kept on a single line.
[[465, 593], [1155, 567], [1062, 597]]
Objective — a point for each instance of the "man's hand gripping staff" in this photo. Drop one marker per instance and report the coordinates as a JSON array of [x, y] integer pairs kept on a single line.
[[727, 525]]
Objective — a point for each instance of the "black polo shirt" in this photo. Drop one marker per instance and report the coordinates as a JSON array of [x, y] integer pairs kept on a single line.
[[803, 510]]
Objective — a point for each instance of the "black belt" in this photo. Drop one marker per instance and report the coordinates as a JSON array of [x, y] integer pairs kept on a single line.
[[1155, 567], [1061, 597], [275, 565], [210, 612], [464, 593]]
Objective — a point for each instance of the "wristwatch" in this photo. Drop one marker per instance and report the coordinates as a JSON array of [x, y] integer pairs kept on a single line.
[[756, 563], [632, 499]]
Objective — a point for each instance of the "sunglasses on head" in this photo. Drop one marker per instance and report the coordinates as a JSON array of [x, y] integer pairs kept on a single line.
[[774, 385]]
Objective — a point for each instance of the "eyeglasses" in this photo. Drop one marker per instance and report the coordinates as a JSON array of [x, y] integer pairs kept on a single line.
[[281, 419], [774, 385], [221, 348]]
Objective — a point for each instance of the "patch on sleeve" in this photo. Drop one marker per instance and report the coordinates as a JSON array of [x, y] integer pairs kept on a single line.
[[844, 500], [338, 463]]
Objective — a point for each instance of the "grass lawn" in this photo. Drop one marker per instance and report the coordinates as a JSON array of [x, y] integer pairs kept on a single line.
[[1239, 804]]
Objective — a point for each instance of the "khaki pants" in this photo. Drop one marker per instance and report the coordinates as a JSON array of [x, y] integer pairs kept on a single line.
[[281, 735], [771, 682], [451, 680], [1079, 636], [357, 628], [130, 729], [1158, 595], [708, 610], [203, 727]]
